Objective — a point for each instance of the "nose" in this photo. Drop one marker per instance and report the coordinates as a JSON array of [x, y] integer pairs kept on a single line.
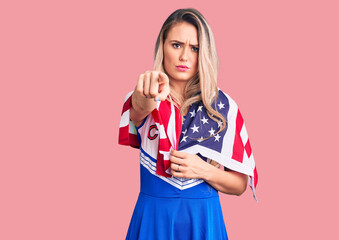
[[184, 54]]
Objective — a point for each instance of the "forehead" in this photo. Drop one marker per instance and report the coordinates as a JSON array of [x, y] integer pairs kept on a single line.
[[183, 32]]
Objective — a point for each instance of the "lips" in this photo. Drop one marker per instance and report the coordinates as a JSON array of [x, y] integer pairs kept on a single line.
[[182, 68]]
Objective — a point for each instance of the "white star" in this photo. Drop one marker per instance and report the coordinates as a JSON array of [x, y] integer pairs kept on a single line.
[[211, 131], [217, 137], [184, 132], [192, 113], [204, 120], [195, 128], [200, 139], [199, 109], [221, 105], [184, 139], [219, 124]]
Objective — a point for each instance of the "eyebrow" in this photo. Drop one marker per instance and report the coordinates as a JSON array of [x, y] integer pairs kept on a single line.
[[193, 45]]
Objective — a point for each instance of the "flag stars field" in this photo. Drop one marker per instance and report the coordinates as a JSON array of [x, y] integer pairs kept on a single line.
[[204, 120], [184, 139], [195, 128], [211, 131], [192, 113], [217, 137], [221, 105]]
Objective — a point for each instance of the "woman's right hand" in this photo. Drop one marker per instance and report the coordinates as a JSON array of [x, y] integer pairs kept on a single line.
[[152, 86]]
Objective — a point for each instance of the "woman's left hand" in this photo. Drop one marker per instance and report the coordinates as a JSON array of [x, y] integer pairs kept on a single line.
[[187, 165]]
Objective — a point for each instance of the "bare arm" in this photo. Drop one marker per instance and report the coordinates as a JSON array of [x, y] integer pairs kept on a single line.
[[152, 86], [188, 165], [229, 182]]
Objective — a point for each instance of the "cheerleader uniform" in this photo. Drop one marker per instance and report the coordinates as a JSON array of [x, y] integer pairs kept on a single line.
[[171, 208]]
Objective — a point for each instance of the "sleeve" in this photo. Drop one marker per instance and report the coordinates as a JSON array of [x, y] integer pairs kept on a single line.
[[127, 130]]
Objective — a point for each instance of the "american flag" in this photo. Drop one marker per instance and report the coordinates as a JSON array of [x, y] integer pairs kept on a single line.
[[197, 134]]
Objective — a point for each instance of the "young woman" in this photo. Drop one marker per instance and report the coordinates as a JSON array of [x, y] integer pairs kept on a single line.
[[186, 128]]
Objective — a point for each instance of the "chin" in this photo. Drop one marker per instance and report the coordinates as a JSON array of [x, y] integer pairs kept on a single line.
[[181, 77]]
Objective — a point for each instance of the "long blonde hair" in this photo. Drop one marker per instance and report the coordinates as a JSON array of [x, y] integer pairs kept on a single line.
[[203, 85]]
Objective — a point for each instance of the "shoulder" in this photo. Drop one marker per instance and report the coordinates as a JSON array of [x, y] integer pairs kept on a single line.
[[225, 100]]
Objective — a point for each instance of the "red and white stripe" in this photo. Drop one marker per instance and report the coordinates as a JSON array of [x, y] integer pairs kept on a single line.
[[168, 121], [236, 150], [127, 130], [242, 151]]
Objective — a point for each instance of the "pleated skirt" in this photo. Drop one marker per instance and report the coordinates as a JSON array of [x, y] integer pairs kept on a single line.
[[177, 218]]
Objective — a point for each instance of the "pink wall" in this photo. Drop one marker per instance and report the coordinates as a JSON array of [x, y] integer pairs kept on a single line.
[[66, 66]]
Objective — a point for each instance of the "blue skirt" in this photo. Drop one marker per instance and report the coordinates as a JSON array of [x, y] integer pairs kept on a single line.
[[175, 208], [177, 218]]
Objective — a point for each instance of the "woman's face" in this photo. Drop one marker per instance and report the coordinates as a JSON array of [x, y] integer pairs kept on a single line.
[[181, 52]]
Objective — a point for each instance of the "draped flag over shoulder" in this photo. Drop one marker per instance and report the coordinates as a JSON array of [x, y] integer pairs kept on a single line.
[[127, 130], [197, 135]]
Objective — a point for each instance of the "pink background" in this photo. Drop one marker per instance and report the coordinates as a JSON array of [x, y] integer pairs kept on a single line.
[[67, 65]]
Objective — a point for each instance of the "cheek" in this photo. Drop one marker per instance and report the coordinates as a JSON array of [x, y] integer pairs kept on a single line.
[[168, 60], [195, 62], [168, 56], [166, 63]]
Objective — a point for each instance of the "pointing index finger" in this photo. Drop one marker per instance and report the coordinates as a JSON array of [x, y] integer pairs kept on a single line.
[[164, 89], [163, 78]]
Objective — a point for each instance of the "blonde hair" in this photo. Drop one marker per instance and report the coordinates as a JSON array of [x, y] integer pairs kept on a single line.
[[203, 85]]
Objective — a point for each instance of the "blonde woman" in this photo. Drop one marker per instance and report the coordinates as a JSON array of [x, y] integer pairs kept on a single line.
[[186, 129]]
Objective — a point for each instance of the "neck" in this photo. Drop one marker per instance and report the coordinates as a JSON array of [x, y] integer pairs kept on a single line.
[[178, 87]]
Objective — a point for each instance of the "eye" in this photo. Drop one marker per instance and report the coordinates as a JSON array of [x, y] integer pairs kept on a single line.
[[176, 45], [195, 49]]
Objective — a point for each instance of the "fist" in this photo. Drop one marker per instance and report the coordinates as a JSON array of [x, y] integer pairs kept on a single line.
[[153, 84]]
